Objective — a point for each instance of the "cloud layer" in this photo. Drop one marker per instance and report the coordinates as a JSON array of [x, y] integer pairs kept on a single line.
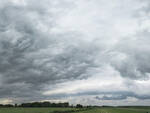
[[63, 50]]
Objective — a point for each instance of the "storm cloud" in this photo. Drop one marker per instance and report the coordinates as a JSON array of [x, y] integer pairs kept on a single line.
[[65, 49]]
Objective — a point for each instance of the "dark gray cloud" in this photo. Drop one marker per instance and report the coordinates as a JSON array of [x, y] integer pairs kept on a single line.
[[136, 52], [31, 59], [121, 96], [46, 43]]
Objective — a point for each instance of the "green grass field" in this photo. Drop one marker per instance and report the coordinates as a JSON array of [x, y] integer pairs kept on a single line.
[[73, 110]]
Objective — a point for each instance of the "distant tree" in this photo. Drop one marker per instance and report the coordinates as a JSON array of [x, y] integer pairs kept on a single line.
[[8, 105], [16, 105], [45, 104], [66, 104], [1, 105], [79, 106]]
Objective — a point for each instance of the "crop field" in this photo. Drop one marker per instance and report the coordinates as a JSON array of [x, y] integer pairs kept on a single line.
[[74, 110]]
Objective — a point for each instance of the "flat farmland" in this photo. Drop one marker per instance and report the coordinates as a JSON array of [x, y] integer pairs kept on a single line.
[[74, 110]]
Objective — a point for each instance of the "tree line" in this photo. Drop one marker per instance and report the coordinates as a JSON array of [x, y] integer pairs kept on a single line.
[[42, 104]]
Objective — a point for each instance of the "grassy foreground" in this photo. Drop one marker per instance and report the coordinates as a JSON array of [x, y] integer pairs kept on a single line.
[[74, 110]]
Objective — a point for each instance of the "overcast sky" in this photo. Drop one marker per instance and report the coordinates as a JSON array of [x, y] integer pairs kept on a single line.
[[92, 52]]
